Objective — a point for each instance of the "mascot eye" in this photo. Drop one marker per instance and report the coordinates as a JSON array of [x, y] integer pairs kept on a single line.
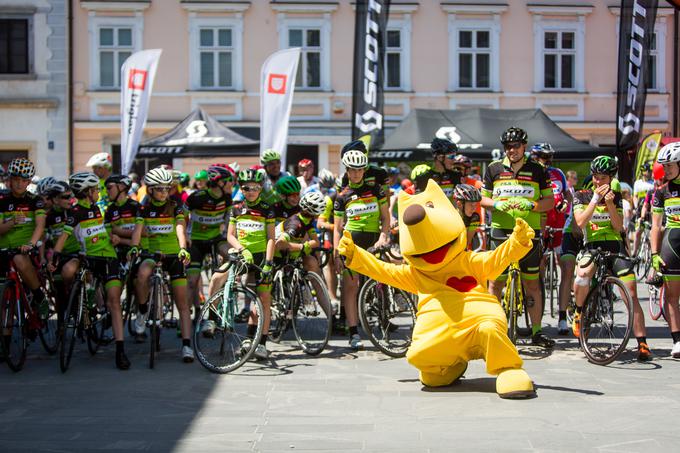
[[429, 204]]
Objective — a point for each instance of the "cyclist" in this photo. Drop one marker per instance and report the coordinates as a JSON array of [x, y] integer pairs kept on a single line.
[[307, 179], [640, 189], [271, 160], [102, 167], [372, 175], [22, 224], [467, 199], [41, 191], [442, 170], [288, 190], [184, 187], [519, 187], [666, 251], [162, 219], [200, 180], [599, 213], [362, 210], [420, 175], [251, 232], [325, 224], [208, 213], [85, 222], [121, 215], [543, 153], [463, 165]]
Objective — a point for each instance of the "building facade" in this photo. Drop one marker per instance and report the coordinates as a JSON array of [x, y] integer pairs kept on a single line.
[[560, 56], [34, 84]]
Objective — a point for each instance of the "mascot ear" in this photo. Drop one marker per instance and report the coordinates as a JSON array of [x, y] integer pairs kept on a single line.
[[403, 196]]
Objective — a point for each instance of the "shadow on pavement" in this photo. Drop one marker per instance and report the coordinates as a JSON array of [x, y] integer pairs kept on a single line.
[[567, 389]]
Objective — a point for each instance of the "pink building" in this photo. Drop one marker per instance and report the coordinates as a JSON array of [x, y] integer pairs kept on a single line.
[[557, 55]]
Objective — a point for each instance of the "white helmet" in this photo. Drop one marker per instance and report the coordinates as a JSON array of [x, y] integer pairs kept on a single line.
[[158, 177], [82, 181], [326, 179], [669, 153], [313, 202], [355, 159], [44, 184], [99, 160]]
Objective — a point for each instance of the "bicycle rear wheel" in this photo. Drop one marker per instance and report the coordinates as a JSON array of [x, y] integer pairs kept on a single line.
[[100, 321], [69, 329], [510, 306], [281, 297], [606, 321], [14, 328], [312, 314], [551, 283], [230, 346], [656, 301], [155, 304], [388, 316]]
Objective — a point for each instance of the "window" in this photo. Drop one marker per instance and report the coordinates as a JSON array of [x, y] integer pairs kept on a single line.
[[559, 60], [309, 67], [474, 59], [216, 57], [653, 79], [14, 46], [115, 46], [393, 54]]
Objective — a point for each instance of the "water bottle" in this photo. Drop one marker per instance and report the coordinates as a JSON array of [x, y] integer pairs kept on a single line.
[[89, 292]]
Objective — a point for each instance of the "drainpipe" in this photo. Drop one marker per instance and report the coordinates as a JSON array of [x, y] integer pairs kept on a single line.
[[676, 74], [69, 94]]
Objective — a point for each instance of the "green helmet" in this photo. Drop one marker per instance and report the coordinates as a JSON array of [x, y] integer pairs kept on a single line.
[[249, 175], [287, 185], [184, 178], [604, 165], [419, 171], [201, 175], [270, 155]]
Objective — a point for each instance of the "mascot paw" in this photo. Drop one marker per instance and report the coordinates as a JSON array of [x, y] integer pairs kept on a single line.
[[523, 232], [514, 384], [447, 376], [346, 245]]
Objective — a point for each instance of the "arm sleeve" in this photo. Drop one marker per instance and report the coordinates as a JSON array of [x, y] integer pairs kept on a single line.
[[397, 275]]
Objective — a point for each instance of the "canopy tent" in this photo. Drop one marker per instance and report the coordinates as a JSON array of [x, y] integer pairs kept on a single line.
[[199, 135], [477, 133]]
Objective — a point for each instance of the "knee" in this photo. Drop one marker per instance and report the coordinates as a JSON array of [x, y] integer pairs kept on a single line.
[[489, 327]]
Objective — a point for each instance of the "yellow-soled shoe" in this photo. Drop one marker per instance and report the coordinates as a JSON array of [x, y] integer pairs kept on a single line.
[[514, 384], [447, 377]]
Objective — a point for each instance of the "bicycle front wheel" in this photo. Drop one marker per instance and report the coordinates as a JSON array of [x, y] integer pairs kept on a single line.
[[14, 340], [510, 306], [48, 334], [655, 301], [388, 316], [69, 329], [606, 321], [313, 316], [155, 304], [229, 346], [100, 321]]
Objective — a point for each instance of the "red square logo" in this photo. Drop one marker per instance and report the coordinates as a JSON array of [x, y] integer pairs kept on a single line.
[[137, 79], [277, 84]]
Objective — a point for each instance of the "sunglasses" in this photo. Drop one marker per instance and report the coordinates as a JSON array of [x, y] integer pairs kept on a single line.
[[162, 188], [65, 197], [451, 156], [513, 146], [250, 188]]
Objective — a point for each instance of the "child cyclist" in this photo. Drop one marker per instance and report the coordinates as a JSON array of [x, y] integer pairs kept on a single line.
[[86, 223], [163, 222], [467, 198]]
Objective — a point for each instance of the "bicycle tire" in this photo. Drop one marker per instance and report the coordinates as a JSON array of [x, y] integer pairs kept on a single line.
[[48, 333], [72, 317], [598, 325], [155, 307], [312, 315], [655, 301], [14, 350], [223, 352], [511, 309], [100, 318], [281, 298], [551, 282], [389, 328]]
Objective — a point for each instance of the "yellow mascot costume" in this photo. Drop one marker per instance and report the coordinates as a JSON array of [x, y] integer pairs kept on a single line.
[[458, 320]]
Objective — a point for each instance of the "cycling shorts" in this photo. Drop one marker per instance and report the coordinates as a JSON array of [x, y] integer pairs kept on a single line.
[[106, 269], [172, 265], [571, 245], [670, 254], [199, 250], [529, 264], [621, 268], [365, 240]]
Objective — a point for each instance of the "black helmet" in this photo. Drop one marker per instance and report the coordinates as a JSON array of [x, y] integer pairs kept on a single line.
[[119, 179], [357, 145], [514, 134], [443, 146], [466, 192]]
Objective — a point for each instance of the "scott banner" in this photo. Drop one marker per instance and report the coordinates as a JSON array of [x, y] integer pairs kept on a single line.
[[635, 39], [136, 81], [276, 99], [369, 71]]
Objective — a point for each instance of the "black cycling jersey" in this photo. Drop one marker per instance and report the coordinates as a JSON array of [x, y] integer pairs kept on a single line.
[[282, 211]]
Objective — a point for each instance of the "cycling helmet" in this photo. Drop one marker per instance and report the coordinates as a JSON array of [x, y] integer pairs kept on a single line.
[[235, 167], [56, 189], [270, 156], [245, 176], [326, 179], [313, 202], [669, 153], [44, 185], [542, 150], [99, 160], [158, 177], [646, 166], [82, 181], [355, 145], [184, 179], [119, 179], [466, 192], [201, 175], [355, 159], [21, 167], [443, 146], [287, 185], [218, 173], [514, 134], [463, 160], [305, 163], [605, 165], [419, 170]]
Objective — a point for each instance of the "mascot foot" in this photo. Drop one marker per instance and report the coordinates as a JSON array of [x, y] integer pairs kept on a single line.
[[514, 384], [447, 377]]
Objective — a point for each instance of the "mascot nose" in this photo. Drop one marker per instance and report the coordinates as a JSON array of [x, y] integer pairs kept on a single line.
[[414, 214]]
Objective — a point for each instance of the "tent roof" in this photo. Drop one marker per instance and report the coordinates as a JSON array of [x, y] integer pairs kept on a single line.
[[199, 135], [477, 132]]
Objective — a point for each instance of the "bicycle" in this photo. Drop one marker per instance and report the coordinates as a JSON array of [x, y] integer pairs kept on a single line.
[[513, 302], [86, 313], [657, 302], [300, 299], [325, 250], [230, 346], [387, 314], [607, 314], [644, 265], [49, 331], [159, 290], [550, 279]]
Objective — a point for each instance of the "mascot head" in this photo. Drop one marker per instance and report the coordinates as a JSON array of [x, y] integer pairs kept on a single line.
[[431, 232]]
